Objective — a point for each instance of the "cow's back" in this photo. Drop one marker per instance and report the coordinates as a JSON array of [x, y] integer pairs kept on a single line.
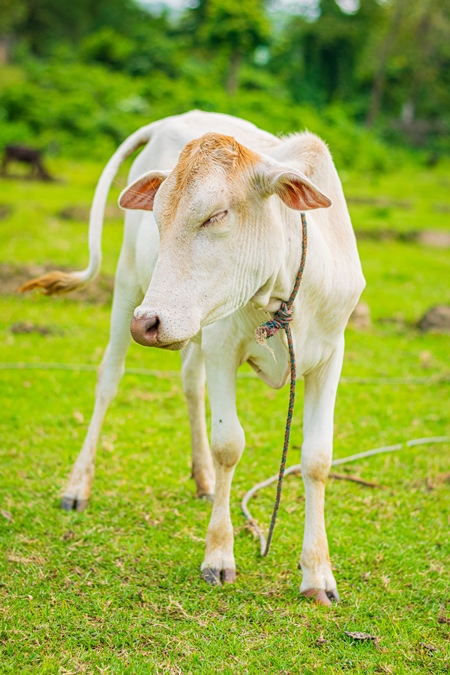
[[173, 133]]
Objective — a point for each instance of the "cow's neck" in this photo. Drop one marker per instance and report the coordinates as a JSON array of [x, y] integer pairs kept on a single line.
[[278, 287]]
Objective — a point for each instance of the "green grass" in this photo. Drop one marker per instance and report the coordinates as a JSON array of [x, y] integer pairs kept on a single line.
[[410, 199], [117, 588], [35, 231]]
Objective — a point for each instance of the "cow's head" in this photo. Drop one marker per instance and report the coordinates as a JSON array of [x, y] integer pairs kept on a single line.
[[221, 238]]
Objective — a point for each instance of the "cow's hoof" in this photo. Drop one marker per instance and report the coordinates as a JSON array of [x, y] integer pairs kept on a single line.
[[206, 496], [228, 576], [212, 576], [217, 577], [74, 504], [333, 595], [321, 597]]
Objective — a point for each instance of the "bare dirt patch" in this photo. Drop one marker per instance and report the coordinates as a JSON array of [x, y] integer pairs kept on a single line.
[[360, 318], [436, 238], [432, 238], [82, 212], [380, 202], [27, 327], [441, 208], [13, 276], [5, 211], [436, 320]]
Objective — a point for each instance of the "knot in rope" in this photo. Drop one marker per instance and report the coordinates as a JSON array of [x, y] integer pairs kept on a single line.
[[281, 320]]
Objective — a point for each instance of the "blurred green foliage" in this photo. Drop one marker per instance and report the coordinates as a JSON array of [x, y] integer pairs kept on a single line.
[[78, 77]]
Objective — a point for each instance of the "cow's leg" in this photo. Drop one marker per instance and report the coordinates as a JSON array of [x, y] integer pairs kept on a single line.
[[4, 166], [34, 170], [193, 373], [227, 445], [126, 297], [320, 395]]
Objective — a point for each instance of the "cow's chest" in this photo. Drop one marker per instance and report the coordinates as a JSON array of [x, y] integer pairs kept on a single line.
[[234, 339]]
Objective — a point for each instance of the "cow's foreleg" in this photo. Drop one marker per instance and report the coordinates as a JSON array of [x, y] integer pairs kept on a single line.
[[227, 445], [194, 388], [320, 395], [77, 493]]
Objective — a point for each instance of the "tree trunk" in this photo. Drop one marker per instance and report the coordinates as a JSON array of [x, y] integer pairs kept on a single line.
[[5, 46], [234, 67], [424, 51], [385, 52]]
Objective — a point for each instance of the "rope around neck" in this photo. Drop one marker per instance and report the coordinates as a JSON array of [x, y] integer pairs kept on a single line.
[[282, 319]]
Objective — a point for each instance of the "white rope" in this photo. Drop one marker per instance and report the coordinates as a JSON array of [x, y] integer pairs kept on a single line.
[[296, 468], [83, 367]]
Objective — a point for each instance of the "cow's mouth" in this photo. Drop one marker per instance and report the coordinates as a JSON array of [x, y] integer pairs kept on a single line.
[[173, 346]]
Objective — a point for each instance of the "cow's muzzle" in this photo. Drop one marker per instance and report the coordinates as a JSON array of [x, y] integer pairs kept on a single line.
[[144, 330], [147, 331]]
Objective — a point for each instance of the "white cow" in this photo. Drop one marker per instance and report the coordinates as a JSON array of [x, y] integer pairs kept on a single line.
[[211, 249]]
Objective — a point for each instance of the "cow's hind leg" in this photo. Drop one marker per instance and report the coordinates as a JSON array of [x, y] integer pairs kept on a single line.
[[227, 445], [194, 388], [320, 395], [126, 297]]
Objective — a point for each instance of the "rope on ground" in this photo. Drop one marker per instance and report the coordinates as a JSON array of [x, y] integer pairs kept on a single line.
[[355, 479], [90, 368], [85, 367], [296, 469]]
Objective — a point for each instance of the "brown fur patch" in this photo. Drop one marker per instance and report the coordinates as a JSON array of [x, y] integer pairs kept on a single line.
[[200, 157], [53, 283], [218, 538]]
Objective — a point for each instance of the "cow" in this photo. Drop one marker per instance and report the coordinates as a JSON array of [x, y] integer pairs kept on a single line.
[[25, 155], [212, 246]]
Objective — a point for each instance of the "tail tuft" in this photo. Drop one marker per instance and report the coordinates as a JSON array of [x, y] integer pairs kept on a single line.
[[55, 283]]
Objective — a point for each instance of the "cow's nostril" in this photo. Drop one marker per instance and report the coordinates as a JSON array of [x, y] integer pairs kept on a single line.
[[145, 330], [151, 325]]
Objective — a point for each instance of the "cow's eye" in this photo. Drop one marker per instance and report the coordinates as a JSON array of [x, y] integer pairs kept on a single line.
[[215, 218]]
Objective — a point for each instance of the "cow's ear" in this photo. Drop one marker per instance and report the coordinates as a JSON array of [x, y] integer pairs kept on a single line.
[[141, 193], [294, 189]]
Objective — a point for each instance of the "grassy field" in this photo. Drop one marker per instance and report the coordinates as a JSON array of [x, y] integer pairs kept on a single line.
[[117, 588]]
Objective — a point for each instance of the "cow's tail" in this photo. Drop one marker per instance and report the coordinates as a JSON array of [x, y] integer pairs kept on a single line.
[[64, 282]]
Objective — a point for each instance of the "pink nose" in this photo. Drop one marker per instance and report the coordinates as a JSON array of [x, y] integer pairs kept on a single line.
[[144, 330]]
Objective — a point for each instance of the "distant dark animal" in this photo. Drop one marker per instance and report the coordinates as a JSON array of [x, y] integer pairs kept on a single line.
[[25, 155]]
